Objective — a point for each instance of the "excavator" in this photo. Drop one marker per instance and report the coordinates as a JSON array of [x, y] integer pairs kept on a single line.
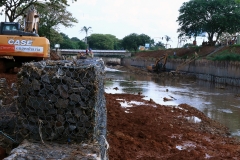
[[160, 65], [19, 45], [187, 62]]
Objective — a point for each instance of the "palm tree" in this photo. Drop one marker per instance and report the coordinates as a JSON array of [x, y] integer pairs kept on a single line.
[[86, 29], [167, 40]]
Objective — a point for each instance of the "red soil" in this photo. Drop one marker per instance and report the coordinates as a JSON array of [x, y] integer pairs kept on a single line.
[[151, 131]]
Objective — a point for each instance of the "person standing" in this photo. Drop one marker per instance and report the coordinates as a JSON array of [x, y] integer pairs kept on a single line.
[[86, 52], [91, 52]]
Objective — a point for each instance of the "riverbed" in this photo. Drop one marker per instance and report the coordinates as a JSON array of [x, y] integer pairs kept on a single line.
[[217, 101]]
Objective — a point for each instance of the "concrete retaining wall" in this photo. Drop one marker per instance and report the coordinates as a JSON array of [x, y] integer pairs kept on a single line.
[[224, 72]]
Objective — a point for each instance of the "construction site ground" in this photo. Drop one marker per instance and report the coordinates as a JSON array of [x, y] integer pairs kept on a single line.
[[150, 131]]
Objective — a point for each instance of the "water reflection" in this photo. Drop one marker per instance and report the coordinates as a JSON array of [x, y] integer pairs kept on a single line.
[[216, 101]]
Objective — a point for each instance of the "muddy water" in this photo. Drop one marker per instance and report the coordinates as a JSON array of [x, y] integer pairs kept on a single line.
[[216, 101]]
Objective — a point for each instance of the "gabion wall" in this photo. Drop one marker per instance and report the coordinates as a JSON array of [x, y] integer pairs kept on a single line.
[[62, 101], [8, 113]]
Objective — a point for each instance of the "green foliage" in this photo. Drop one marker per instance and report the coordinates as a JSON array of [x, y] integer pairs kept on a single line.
[[187, 45], [236, 45], [157, 46], [81, 45], [167, 38], [225, 56], [117, 45], [78, 43], [56, 38], [53, 15], [103, 41], [17, 8], [133, 41], [73, 43], [211, 16], [143, 38], [2, 2], [50, 17]]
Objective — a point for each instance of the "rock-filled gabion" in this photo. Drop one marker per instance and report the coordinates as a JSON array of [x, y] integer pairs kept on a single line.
[[62, 101], [8, 112]]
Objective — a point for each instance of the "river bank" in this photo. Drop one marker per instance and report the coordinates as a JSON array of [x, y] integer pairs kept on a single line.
[[195, 61], [146, 130]]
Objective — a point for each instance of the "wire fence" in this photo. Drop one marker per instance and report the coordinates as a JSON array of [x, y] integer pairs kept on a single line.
[[58, 101]]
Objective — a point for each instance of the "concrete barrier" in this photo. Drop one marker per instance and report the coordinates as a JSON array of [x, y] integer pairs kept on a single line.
[[223, 72]]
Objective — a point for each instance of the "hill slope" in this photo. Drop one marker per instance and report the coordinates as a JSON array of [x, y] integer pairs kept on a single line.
[[184, 52]]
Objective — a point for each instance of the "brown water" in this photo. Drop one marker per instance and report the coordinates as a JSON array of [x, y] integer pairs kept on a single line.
[[216, 101]]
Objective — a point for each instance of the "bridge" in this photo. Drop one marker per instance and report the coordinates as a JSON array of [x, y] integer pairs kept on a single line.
[[97, 53]]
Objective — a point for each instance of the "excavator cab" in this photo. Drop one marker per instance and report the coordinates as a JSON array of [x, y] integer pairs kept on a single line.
[[13, 28], [19, 45], [7, 27], [159, 66]]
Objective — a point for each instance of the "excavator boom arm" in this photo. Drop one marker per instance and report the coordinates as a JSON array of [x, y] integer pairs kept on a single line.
[[31, 20]]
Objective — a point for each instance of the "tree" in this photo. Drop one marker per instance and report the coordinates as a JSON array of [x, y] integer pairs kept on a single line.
[[12, 11], [101, 41], [56, 38], [211, 16], [78, 43], [85, 29], [160, 45], [167, 38], [67, 43], [145, 39], [116, 42], [188, 45], [133, 41], [227, 37], [51, 15]]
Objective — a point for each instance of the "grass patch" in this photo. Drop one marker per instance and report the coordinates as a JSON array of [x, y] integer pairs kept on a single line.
[[225, 56]]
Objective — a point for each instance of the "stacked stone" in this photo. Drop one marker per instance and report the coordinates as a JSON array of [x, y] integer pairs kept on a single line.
[[62, 101]]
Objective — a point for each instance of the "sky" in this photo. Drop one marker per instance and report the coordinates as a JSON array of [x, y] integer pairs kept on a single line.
[[155, 18]]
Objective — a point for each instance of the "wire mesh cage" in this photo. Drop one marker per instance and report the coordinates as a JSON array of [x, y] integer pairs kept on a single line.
[[62, 101], [8, 112]]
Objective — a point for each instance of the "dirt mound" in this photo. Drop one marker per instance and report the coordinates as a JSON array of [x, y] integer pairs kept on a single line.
[[150, 131]]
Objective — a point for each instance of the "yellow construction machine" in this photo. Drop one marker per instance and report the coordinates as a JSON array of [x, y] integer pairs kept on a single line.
[[160, 64], [19, 45]]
